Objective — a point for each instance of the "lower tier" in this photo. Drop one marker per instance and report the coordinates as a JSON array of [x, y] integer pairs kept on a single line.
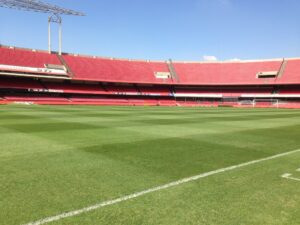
[[134, 101]]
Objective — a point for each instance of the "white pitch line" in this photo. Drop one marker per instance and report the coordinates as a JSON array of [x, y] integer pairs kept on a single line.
[[151, 190], [289, 176]]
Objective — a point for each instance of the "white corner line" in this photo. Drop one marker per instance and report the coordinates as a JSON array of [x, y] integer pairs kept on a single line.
[[155, 189], [286, 175], [289, 177]]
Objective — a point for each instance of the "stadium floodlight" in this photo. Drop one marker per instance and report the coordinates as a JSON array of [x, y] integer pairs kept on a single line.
[[43, 7], [38, 6]]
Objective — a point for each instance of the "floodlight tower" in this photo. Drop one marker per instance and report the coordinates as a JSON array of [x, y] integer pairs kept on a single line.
[[38, 6], [55, 18]]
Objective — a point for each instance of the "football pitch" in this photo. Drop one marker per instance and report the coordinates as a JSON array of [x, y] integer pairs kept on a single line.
[[88, 165]]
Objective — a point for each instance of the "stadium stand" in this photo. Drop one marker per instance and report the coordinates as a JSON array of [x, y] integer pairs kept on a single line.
[[38, 77], [115, 70], [155, 91], [26, 58], [74, 88], [225, 73], [15, 83], [291, 74], [24, 62]]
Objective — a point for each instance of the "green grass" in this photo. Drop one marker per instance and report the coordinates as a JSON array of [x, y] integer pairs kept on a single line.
[[57, 159]]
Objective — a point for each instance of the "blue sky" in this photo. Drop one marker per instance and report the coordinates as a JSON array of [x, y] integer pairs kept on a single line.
[[163, 29]]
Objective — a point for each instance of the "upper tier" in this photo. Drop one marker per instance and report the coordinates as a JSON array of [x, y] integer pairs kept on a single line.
[[100, 69], [26, 58], [134, 71]]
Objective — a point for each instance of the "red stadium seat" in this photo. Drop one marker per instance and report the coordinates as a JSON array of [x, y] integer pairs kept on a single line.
[[103, 81]]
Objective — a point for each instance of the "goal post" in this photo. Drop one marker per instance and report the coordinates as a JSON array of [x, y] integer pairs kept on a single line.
[[266, 102], [260, 102]]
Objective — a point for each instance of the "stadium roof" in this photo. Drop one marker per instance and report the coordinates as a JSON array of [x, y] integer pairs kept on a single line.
[[38, 6]]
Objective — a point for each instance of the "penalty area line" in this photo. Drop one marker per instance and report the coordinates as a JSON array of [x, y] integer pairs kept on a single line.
[[155, 189]]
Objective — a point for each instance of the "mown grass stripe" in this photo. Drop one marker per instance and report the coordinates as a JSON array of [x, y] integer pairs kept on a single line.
[[155, 189]]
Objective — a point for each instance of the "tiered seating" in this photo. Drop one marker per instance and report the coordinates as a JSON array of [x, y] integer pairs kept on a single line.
[[144, 102], [30, 63], [163, 102], [15, 83], [225, 73], [290, 105], [113, 101], [292, 73], [109, 70], [197, 103], [103, 81], [155, 91], [120, 89], [98, 101], [221, 91], [37, 100], [75, 88], [143, 72], [26, 58], [290, 91]]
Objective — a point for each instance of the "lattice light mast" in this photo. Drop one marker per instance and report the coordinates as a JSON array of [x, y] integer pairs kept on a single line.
[[38, 6], [55, 18]]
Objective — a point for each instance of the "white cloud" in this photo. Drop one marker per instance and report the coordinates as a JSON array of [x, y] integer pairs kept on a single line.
[[210, 58], [234, 60]]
